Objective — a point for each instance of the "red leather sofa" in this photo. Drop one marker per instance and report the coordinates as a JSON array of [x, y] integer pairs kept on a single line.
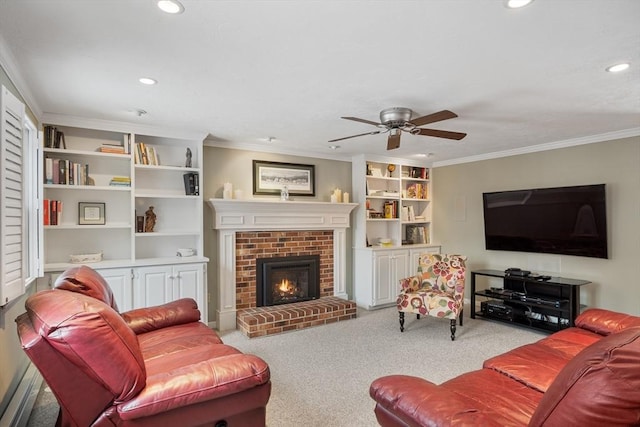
[[587, 375], [157, 366]]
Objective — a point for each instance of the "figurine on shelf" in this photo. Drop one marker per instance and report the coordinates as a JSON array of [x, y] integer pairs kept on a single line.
[[149, 220], [391, 167], [188, 162]]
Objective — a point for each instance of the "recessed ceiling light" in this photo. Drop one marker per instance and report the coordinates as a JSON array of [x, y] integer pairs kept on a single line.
[[270, 138], [618, 67], [334, 147], [515, 4], [147, 81], [171, 6]]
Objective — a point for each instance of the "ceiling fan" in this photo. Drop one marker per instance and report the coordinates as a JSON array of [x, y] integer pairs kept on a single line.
[[398, 119]]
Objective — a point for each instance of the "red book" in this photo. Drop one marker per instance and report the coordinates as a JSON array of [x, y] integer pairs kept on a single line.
[[45, 212], [54, 212]]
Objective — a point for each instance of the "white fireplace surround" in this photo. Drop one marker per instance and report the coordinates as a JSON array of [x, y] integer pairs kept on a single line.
[[231, 216]]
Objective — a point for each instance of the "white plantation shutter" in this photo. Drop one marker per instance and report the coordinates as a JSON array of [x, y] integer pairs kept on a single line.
[[12, 205]]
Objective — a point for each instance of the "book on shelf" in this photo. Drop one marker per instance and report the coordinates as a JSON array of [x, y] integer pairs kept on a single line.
[[53, 138], [52, 212], [65, 172], [411, 215], [120, 181], [146, 154], [191, 184], [417, 234], [416, 191], [112, 148]]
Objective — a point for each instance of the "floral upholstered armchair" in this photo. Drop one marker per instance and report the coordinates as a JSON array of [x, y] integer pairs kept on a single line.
[[437, 290]]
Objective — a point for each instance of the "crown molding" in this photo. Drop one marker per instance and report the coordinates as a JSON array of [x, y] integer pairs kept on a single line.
[[10, 66], [274, 148], [124, 127], [609, 136]]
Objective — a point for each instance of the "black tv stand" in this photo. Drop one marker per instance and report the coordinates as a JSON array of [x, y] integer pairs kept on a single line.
[[537, 302]]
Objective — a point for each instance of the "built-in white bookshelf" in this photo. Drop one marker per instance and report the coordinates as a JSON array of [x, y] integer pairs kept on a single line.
[[143, 267]]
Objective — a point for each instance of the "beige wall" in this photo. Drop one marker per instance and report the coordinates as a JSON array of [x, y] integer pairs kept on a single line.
[[13, 360], [235, 166], [458, 217]]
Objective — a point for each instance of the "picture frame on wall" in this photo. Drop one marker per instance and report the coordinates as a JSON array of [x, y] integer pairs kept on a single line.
[[91, 213], [269, 178]]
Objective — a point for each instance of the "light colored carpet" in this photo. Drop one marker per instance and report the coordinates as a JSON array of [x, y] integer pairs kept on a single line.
[[321, 375]]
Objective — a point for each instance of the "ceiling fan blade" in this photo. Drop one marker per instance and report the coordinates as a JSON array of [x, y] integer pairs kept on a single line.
[[375, 132], [442, 134], [435, 117], [393, 141], [355, 119]]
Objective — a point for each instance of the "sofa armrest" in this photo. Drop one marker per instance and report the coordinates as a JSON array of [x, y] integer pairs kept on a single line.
[[199, 382], [149, 319], [605, 322], [418, 402]]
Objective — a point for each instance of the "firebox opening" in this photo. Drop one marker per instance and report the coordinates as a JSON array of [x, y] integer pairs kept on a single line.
[[283, 280]]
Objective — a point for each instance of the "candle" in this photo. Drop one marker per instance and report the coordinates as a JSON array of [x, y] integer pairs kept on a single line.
[[226, 194], [338, 193], [345, 197], [228, 187], [238, 194], [334, 198]]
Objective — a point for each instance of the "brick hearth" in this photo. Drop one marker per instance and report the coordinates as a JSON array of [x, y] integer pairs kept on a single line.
[[262, 321]]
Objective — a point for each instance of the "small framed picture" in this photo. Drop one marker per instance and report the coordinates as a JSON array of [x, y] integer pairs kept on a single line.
[[91, 213]]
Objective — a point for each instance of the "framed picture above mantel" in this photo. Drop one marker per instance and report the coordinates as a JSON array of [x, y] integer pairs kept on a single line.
[[269, 178]]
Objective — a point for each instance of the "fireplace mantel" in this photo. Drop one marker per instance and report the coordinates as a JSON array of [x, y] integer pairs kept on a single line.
[[231, 216], [275, 214]]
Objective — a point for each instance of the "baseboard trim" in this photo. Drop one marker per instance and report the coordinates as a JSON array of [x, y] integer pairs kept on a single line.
[[21, 404]]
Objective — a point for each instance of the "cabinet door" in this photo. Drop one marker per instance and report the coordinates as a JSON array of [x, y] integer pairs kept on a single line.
[[382, 291], [399, 270], [188, 283], [414, 254], [152, 286], [120, 282]]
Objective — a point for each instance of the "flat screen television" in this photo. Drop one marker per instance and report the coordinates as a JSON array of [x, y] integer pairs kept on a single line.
[[561, 220]]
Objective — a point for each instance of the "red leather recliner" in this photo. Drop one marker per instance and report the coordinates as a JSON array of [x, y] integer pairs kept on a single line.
[[147, 367]]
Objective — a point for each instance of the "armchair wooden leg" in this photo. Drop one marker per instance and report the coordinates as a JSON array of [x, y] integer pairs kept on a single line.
[[461, 315], [418, 316], [453, 329], [401, 313]]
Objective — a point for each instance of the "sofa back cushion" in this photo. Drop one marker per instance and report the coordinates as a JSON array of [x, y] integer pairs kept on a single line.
[[87, 281], [598, 387], [93, 337]]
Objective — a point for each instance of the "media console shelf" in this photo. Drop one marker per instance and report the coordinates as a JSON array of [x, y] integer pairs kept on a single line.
[[548, 305]]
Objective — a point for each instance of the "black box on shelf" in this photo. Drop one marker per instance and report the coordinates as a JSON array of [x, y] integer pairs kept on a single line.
[[191, 184], [497, 309]]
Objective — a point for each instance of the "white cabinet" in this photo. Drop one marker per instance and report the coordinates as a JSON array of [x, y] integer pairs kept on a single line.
[[159, 284], [378, 274], [120, 280], [414, 256]]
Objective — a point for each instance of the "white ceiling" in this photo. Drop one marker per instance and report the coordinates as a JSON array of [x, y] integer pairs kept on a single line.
[[241, 71]]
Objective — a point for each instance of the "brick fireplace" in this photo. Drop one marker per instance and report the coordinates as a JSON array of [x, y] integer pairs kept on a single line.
[[252, 229]]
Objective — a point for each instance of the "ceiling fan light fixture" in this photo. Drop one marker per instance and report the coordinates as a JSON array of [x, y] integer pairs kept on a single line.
[[171, 6], [516, 4], [618, 67], [147, 81]]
